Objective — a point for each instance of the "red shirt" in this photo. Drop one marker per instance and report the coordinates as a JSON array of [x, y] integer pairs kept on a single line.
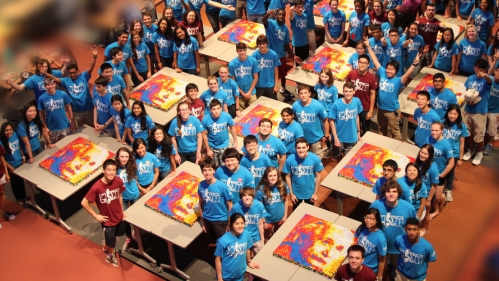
[[197, 108], [193, 29], [344, 273], [410, 7], [383, 17], [363, 86], [429, 30], [107, 198], [2, 152]]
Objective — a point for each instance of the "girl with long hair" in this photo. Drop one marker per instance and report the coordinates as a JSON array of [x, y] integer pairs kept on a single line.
[[120, 114], [147, 166], [214, 92], [174, 10], [466, 60], [161, 146], [327, 92], [14, 158], [430, 175], [186, 135], [393, 22], [140, 62], [135, 26], [483, 18], [192, 23], [419, 192], [138, 124], [163, 43], [185, 52], [334, 23], [289, 130], [445, 57], [29, 129]]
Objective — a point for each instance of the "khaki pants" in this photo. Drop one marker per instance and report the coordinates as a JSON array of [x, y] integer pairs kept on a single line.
[[245, 103], [389, 119], [400, 277], [476, 125]]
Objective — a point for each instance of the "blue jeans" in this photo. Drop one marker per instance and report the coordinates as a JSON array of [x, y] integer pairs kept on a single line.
[[128, 203], [214, 19], [450, 176], [190, 71], [256, 18], [37, 151], [163, 175]]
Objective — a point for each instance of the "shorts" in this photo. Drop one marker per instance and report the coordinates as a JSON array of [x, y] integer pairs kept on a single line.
[[58, 135], [343, 149], [442, 181], [492, 123], [476, 125], [215, 229], [318, 149], [257, 246], [110, 233], [244, 103], [2, 180], [400, 277]]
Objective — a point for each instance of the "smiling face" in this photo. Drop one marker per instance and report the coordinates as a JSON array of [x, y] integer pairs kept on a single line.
[[224, 73], [141, 150], [232, 164], [348, 93], [377, 8], [304, 95], [147, 20], [241, 53], [436, 131], [123, 39], [108, 73], [73, 73], [281, 17], [263, 47], [251, 148], [163, 25], [363, 64], [168, 14], [159, 136], [238, 226], [391, 17], [272, 177], [390, 71], [8, 131], [191, 17], [360, 49], [123, 158], [136, 39], [334, 6], [136, 109], [422, 101], [355, 260], [213, 85], [265, 128], [358, 8], [484, 5], [31, 113], [50, 87], [413, 30], [286, 117], [423, 154], [377, 34], [110, 172], [324, 78], [412, 173], [301, 150], [137, 27], [119, 56], [184, 111], [208, 173], [247, 200], [471, 33], [453, 115], [180, 34], [391, 195], [192, 94]]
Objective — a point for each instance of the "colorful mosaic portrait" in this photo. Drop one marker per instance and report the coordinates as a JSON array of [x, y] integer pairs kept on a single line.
[[161, 92], [336, 60], [456, 87], [243, 32], [248, 124]]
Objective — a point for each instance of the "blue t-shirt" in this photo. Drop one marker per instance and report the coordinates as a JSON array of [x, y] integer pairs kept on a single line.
[[453, 134], [256, 167], [308, 9], [302, 172], [494, 97], [235, 181], [103, 106], [378, 50], [483, 88], [278, 36], [78, 92], [14, 158], [178, 8], [118, 69], [127, 51], [208, 95], [443, 151], [416, 197], [444, 56], [215, 197], [375, 245], [357, 24], [278, 4], [335, 22], [412, 49], [345, 119], [484, 21], [55, 109], [218, 129], [406, 192], [134, 123], [395, 52], [186, 58], [165, 46], [288, 133], [196, 5], [243, 71], [327, 95], [224, 13], [414, 258], [423, 130], [299, 28], [392, 4], [35, 83], [274, 205], [388, 91], [164, 162], [145, 168], [187, 141], [33, 135], [139, 60], [117, 118], [131, 188], [385, 28], [441, 101], [115, 86], [472, 51], [251, 215], [311, 118], [148, 34], [232, 251], [230, 87], [354, 61], [431, 177], [255, 7], [271, 147], [267, 64], [393, 220]]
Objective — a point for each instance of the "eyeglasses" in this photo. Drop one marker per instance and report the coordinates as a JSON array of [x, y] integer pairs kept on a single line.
[[369, 218]]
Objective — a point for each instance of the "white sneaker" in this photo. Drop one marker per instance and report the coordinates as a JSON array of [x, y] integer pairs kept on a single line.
[[468, 155], [478, 159], [448, 195]]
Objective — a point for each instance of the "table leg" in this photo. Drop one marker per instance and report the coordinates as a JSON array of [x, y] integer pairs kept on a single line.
[[207, 65], [405, 129], [33, 200], [57, 217], [140, 250], [173, 261], [339, 202]]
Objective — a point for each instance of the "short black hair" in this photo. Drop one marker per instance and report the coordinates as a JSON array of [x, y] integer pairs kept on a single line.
[[424, 93], [230, 153], [439, 75], [391, 163], [101, 80], [109, 162], [72, 66], [364, 56], [481, 63], [105, 66], [207, 163], [249, 139], [412, 221], [215, 102], [114, 51], [356, 248], [395, 64]]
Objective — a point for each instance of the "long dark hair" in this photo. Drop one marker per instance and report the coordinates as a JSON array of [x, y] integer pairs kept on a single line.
[[424, 166], [266, 187], [142, 115], [131, 166], [459, 120], [132, 44], [137, 142], [377, 216], [419, 180], [451, 41], [495, 43], [178, 41], [179, 118], [38, 61], [132, 28], [196, 18], [3, 137], [122, 111], [36, 120], [166, 143], [168, 34], [396, 23], [173, 23]]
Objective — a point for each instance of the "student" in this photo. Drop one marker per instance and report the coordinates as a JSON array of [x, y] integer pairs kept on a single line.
[[174, 10], [232, 253], [228, 15], [308, 9], [390, 168], [106, 193], [244, 71], [411, 246], [424, 116], [419, 192], [122, 43], [444, 159], [161, 146], [234, 175], [103, 120], [14, 158], [359, 24], [440, 97], [149, 30], [303, 174], [476, 114], [354, 270], [163, 44], [334, 23], [147, 166], [313, 118], [215, 201], [195, 104], [493, 107], [127, 172], [116, 85], [344, 121], [254, 212], [430, 176], [216, 134], [140, 62], [135, 26], [416, 46], [360, 49], [429, 26], [120, 114], [36, 81], [446, 52], [230, 87], [28, 131], [138, 124], [253, 160], [214, 92], [298, 22], [377, 43], [394, 50], [192, 23], [289, 130], [273, 193], [393, 22], [389, 88], [365, 90], [119, 65], [186, 135], [378, 15], [470, 50], [483, 19], [55, 108], [268, 76], [185, 52], [394, 214], [464, 9], [493, 49], [455, 131], [270, 145], [4, 171], [371, 237], [255, 10]]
